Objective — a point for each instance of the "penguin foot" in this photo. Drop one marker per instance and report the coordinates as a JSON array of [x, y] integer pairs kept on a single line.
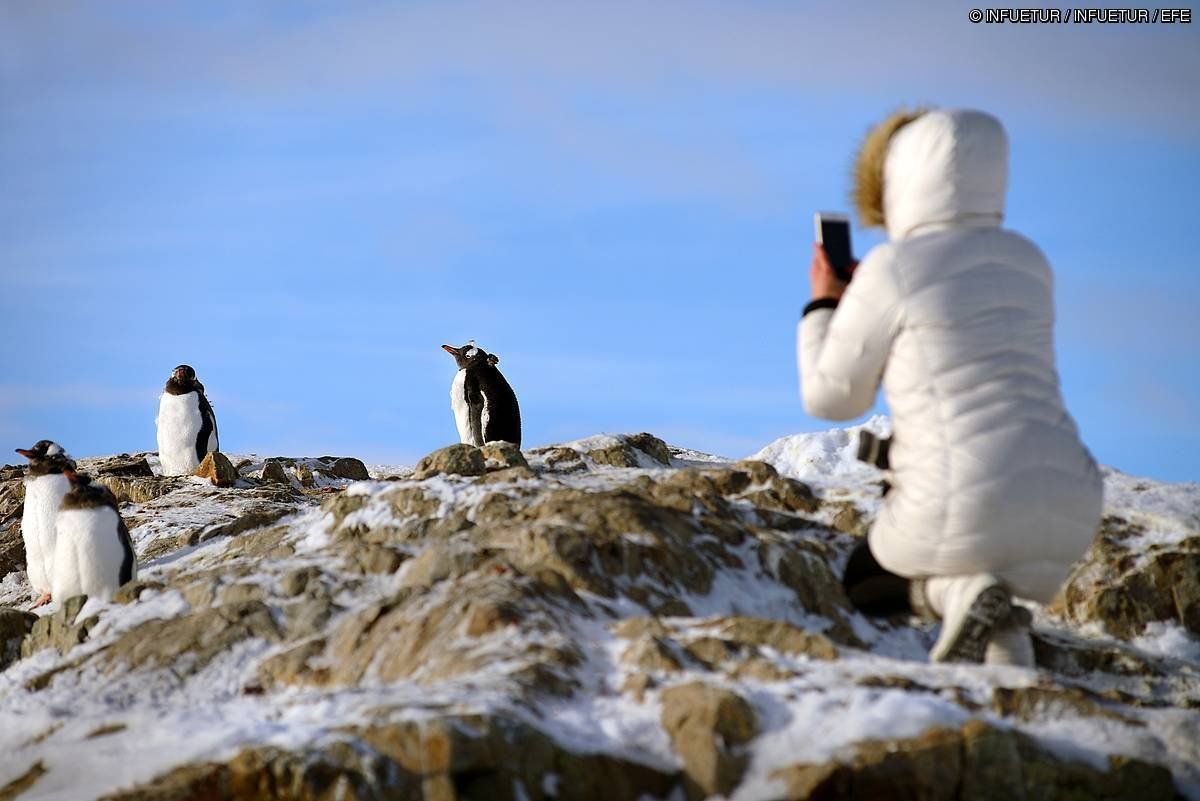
[[42, 601]]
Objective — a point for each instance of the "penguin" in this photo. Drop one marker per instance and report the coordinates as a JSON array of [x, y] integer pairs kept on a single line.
[[45, 486], [93, 555], [485, 406], [187, 427]]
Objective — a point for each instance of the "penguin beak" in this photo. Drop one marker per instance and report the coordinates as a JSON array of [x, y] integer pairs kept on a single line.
[[25, 453], [71, 475], [450, 350]]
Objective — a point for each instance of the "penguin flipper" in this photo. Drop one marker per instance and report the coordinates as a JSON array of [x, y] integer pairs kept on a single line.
[[477, 425], [208, 439], [475, 401], [503, 422], [216, 435], [129, 562]]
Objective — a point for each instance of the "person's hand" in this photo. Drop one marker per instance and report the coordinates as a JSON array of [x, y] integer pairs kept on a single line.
[[825, 283]]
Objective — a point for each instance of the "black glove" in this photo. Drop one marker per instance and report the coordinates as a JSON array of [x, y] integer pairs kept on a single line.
[[873, 450]]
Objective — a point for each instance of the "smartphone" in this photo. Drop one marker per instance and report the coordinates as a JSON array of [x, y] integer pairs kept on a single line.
[[833, 233]]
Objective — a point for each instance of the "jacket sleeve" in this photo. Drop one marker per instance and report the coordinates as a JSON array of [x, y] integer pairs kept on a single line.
[[842, 351]]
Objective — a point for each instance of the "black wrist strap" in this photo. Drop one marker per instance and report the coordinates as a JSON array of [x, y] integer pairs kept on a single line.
[[819, 303]]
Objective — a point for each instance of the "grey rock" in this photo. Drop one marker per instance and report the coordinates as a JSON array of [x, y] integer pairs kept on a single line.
[[122, 465], [131, 591], [349, 468], [217, 468], [561, 459], [456, 460], [296, 581], [15, 625], [249, 521], [136, 489], [59, 630], [502, 455], [274, 471], [707, 726], [652, 446]]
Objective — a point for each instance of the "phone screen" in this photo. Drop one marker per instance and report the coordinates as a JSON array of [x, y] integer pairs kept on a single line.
[[833, 232]]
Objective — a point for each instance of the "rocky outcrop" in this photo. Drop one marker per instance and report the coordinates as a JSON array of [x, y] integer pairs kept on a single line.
[[975, 763], [12, 506], [468, 759], [605, 619], [1124, 586], [217, 468], [709, 728], [15, 626], [139, 490], [502, 455], [60, 630], [456, 460], [135, 466], [347, 467], [316, 473], [186, 645]]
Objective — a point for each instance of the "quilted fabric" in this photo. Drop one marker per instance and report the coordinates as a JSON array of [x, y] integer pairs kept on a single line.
[[954, 316]]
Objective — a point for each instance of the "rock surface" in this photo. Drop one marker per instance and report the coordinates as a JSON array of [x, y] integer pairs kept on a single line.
[[12, 506], [611, 618], [217, 468], [974, 762], [15, 626], [1127, 587], [456, 460], [709, 727]]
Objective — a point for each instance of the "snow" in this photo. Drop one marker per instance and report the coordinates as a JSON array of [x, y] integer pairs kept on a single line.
[[814, 727], [827, 458], [1169, 512], [602, 441], [746, 591], [158, 720], [1169, 640]]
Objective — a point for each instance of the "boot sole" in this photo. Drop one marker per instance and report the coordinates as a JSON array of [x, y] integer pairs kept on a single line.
[[969, 643]]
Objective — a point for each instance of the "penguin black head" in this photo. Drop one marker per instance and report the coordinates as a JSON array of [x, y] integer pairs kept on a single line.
[[183, 380], [40, 449], [47, 457], [470, 356]]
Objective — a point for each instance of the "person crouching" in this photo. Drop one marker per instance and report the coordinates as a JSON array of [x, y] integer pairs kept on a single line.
[[992, 494]]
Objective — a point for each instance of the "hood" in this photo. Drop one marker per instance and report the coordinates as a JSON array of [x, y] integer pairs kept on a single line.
[[932, 167]]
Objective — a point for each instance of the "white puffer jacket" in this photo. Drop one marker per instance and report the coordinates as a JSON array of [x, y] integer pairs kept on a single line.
[[955, 316]]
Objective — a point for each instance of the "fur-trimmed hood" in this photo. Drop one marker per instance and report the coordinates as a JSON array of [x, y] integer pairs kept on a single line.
[[926, 167]]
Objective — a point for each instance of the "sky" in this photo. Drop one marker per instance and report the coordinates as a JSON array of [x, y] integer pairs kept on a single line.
[[304, 200]]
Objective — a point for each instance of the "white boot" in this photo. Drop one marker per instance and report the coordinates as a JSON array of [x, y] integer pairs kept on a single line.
[[970, 608], [1010, 643]]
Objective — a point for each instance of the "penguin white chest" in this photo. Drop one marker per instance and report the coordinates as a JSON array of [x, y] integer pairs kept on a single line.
[[179, 424], [458, 403], [88, 554], [43, 495]]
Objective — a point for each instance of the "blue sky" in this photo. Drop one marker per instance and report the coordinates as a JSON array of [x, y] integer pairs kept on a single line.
[[304, 200]]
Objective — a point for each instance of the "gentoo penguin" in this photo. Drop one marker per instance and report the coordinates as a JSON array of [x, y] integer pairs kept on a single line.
[[485, 407], [45, 486], [93, 555], [187, 427]]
